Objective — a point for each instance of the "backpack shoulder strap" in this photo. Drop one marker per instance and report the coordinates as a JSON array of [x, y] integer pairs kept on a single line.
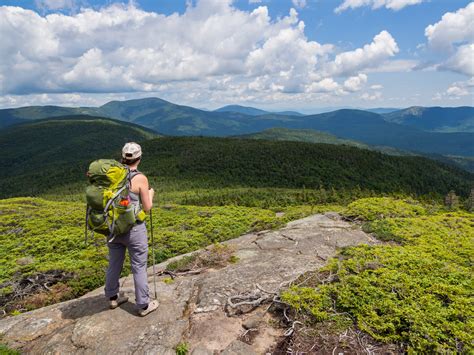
[[134, 173]]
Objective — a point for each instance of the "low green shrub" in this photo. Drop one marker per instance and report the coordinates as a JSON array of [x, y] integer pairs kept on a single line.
[[373, 208], [307, 299], [182, 349], [418, 293], [5, 350], [182, 264]]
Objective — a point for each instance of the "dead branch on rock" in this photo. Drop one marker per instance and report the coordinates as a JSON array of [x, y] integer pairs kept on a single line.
[[245, 303], [263, 290], [216, 256], [173, 275], [189, 272], [248, 335], [291, 329], [250, 299], [248, 331], [22, 288]]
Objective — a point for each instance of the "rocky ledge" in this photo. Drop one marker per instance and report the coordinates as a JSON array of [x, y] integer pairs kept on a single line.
[[212, 311]]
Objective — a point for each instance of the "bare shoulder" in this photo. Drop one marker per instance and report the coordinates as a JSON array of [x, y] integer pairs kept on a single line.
[[139, 181], [140, 178]]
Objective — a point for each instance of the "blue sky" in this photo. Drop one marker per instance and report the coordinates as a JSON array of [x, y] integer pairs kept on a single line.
[[286, 54]]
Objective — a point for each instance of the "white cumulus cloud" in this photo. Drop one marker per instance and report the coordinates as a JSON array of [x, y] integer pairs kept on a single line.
[[212, 51], [325, 85], [456, 90], [299, 3], [355, 83], [375, 4], [371, 55], [461, 88], [454, 34], [454, 27], [371, 97], [462, 61]]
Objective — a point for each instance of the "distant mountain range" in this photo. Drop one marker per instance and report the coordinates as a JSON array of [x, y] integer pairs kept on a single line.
[[436, 119], [401, 129], [254, 111], [381, 110]]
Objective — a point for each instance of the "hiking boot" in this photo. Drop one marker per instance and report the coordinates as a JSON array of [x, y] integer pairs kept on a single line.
[[151, 307], [117, 302]]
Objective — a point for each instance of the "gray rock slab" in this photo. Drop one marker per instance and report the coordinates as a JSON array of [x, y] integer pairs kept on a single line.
[[200, 350]]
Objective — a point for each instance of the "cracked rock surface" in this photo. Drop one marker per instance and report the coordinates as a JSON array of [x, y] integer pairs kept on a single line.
[[194, 309]]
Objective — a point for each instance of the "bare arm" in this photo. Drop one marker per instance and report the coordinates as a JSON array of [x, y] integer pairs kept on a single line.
[[146, 194]]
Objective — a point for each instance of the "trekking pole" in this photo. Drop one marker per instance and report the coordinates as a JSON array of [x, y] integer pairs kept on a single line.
[[86, 226], [153, 251]]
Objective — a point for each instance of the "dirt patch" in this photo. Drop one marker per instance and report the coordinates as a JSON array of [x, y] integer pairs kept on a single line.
[[322, 339], [260, 332]]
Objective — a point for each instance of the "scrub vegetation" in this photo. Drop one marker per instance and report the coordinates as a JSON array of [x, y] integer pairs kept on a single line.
[[415, 290]]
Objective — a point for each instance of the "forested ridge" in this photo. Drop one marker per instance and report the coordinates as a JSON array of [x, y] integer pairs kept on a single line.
[[254, 163], [46, 153], [52, 153]]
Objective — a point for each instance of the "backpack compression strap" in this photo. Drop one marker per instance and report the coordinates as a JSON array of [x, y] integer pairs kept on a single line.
[[139, 213], [112, 225]]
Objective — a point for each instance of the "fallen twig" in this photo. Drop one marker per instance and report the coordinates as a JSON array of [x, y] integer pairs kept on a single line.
[[290, 330], [244, 335], [263, 290], [257, 299]]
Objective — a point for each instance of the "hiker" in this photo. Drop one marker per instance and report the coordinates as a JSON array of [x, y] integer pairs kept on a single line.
[[135, 240]]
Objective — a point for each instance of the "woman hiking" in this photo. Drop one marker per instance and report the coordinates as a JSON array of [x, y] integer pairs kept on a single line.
[[135, 240]]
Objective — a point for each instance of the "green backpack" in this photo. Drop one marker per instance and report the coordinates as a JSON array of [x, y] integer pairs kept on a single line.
[[109, 209]]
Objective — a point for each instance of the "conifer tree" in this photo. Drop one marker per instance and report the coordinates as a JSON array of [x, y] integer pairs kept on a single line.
[[470, 201], [451, 200]]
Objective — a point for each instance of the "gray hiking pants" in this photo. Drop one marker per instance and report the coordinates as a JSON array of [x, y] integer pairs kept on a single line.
[[136, 241]]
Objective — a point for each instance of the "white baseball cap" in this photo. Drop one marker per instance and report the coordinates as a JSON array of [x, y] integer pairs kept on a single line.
[[131, 150]]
